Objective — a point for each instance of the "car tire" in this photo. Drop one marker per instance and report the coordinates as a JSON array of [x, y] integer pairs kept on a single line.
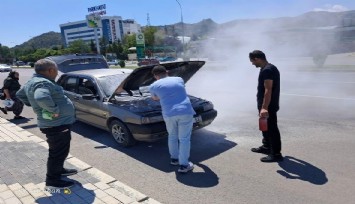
[[121, 133]]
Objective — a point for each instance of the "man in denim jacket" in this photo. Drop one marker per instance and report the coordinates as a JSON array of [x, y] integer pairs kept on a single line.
[[55, 115]]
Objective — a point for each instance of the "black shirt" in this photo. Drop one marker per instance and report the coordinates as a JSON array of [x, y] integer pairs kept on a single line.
[[269, 72], [12, 85]]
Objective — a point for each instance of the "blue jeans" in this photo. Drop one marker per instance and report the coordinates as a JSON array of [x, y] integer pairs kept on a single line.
[[179, 128]]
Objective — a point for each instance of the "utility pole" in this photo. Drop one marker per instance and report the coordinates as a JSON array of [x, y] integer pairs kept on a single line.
[[182, 26], [148, 20]]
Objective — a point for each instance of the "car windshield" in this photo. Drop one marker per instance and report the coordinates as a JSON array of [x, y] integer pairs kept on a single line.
[[110, 83]]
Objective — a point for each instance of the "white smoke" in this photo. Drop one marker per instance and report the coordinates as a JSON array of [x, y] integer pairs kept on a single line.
[[332, 8], [229, 80]]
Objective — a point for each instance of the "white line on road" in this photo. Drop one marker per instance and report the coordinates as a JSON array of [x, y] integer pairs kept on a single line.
[[325, 97]]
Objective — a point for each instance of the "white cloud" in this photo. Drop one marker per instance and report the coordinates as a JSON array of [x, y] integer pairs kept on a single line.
[[332, 8]]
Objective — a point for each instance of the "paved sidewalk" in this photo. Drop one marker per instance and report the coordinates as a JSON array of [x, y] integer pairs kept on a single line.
[[23, 158]]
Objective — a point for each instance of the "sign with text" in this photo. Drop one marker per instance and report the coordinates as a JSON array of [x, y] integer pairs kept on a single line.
[[113, 27], [97, 8], [140, 39], [94, 21]]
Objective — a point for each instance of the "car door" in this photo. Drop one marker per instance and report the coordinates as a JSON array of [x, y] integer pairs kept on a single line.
[[70, 86], [92, 110]]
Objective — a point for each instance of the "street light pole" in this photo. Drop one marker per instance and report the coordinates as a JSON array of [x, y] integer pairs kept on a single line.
[[182, 26]]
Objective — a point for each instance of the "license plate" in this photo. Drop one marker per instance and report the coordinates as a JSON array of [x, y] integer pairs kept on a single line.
[[198, 119]]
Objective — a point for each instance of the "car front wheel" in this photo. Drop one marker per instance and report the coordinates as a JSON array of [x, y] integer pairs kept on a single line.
[[121, 134]]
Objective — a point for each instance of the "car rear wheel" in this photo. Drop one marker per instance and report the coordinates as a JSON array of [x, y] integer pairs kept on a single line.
[[121, 134]]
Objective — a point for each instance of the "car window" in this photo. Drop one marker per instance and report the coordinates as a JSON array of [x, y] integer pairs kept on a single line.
[[70, 84], [86, 86]]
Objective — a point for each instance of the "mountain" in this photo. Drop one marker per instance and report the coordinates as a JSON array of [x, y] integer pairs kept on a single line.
[[45, 40]]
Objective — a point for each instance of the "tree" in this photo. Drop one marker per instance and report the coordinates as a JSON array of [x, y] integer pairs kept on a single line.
[[5, 54], [79, 46], [92, 47], [129, 41], [149, 35], [118, 50], [103, 46]]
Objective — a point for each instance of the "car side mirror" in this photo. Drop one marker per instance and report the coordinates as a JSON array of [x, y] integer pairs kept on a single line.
[[89, 96]]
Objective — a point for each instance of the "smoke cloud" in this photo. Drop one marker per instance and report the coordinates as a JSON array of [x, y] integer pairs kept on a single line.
[[332, 8], [229, 80]]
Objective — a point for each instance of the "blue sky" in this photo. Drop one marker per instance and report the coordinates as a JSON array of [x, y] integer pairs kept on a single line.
[[20, 20]]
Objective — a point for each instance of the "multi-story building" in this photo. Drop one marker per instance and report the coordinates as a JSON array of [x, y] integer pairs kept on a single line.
[[113, 29]]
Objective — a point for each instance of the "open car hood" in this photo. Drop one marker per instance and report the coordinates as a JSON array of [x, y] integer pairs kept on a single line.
[[76, 62], [143, 76]]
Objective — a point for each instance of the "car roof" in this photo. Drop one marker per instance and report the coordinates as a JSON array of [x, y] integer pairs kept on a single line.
[[74, 62], [100, 72]]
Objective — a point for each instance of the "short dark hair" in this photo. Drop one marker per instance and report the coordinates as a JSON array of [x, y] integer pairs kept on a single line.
[[12, 74], [159, 69], [257, 54]]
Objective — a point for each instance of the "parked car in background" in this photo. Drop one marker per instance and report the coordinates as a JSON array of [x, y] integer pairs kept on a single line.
[[113, 62], [150, 61], [5, 68], [166, 59], [20, 63], [31, 64], [118, 100]]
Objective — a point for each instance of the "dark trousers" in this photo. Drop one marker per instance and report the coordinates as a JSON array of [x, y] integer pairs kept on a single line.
[[272, 137], [17, 107], [58, 139]]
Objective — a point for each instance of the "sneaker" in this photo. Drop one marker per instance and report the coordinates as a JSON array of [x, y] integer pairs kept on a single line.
[[261, 149], [17, 117], [187, 168], [174, 162], [3, 110], [59, 184], [272, 158], [69, 172]]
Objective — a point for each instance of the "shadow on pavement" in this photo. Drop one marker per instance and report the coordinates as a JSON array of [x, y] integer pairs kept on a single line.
[[204, 179], [298, 169], [76, 194], [20, 121], [204, 145]]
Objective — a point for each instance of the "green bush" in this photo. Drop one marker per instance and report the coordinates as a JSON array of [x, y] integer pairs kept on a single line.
[[122, 63]]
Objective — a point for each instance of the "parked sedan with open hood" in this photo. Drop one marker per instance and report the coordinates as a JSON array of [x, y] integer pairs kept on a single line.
[[118, 100]]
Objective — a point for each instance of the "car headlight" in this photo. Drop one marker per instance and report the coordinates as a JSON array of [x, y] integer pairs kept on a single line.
[[145, 120], [152, 119]]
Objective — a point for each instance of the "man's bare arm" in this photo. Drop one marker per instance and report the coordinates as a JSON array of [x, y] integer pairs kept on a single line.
[[7, 94], [267, 98]]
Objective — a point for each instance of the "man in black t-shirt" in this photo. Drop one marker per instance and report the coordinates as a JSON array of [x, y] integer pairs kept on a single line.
[[268, 104]]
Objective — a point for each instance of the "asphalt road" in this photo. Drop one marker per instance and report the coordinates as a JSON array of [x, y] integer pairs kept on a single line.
[[317, 124]]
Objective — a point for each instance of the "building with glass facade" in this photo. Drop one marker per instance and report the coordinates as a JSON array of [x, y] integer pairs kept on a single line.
[[113, 29]]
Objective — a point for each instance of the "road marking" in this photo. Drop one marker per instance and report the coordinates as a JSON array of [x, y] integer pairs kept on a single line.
[[325, 97]]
